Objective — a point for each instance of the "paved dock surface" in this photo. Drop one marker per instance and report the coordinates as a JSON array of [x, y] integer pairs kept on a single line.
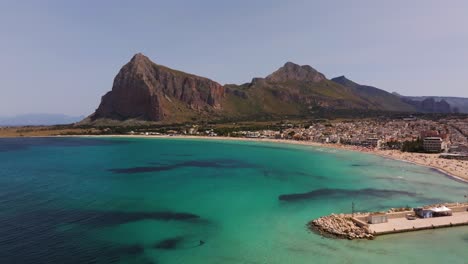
[[396, 225]]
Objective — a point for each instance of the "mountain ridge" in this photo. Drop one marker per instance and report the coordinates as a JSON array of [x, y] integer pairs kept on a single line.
[[375, 95], [437, 104], [146, 91]]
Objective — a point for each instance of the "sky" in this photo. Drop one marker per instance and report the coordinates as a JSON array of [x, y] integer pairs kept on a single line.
[[62, 56]]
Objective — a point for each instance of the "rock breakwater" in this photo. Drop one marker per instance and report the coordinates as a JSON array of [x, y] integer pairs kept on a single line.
[[340, 226]]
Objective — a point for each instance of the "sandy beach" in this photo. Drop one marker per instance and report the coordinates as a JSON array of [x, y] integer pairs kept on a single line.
[[457, 169]]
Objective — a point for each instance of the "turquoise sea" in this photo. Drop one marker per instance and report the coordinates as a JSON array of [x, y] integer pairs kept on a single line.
[[127, 200]]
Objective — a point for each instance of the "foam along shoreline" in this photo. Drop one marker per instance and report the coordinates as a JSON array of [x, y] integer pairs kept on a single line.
[[454, 169]]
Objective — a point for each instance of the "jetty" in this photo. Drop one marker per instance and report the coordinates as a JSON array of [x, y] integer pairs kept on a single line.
[[371, 224]]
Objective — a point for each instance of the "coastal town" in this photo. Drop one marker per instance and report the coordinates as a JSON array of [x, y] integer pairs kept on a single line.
[[448, 136], [442, 136]]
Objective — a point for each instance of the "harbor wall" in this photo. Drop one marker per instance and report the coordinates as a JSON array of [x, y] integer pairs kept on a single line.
[[396, 231]]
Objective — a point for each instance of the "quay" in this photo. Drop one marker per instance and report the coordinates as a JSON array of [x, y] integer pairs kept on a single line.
[[369, 225]]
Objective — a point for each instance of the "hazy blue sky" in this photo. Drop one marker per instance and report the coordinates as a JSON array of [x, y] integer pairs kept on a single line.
[[62, 56]]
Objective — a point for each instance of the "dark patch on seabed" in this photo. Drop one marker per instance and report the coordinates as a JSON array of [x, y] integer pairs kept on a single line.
[[217, 163], [91, 217], [319, 177], [343, 193], [465, 238], [170, 243], [178, 242], [15, 144], [359, 165]]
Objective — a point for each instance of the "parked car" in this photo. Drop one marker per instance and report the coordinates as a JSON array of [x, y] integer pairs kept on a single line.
[[410, 217]]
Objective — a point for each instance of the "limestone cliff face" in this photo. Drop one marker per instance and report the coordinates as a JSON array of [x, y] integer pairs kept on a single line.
[[147, 91]]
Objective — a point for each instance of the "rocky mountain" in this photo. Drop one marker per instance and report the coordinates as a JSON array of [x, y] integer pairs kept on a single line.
[[436, 104], [457, 104], [375, 96], [146, 91], [291, 90], [429, 105]]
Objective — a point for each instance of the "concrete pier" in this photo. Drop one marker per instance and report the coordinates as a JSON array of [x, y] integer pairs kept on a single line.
[[402, 224], [363, 225]]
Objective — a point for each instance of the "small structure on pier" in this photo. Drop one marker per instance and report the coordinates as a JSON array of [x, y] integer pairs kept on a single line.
[[377, 218], [423, 213], [441, 211], [432, 212]]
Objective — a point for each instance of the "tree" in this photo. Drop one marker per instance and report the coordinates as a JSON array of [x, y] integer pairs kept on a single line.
[[413, 146]]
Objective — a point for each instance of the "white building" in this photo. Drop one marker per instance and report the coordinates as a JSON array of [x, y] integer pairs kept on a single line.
[[432, 144]]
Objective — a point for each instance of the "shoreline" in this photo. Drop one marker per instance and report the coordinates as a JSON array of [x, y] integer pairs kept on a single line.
[[420, 159]]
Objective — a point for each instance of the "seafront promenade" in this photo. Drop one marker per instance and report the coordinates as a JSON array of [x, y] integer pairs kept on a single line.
[[401, 224]]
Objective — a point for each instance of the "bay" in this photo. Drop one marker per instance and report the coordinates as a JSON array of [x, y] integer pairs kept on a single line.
[[137, 200]]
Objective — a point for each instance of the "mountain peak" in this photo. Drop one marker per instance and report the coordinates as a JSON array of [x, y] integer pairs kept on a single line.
[[294, 72], [342, 77], [140, 59], [139, 56], [139, 65], [291, 64], [345, 81]]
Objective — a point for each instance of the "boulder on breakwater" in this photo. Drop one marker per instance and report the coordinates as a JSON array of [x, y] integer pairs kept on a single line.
[[340, 226]]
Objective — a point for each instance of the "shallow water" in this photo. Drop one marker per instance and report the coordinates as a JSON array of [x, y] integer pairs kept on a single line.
[[81, 200]]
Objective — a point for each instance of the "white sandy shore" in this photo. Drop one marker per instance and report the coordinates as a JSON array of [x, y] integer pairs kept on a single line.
[[456, 169]]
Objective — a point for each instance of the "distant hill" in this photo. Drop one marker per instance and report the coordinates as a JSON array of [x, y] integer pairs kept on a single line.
[[291, 90], [38, 119], [145, 91], [376, 96], [456, 104]]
